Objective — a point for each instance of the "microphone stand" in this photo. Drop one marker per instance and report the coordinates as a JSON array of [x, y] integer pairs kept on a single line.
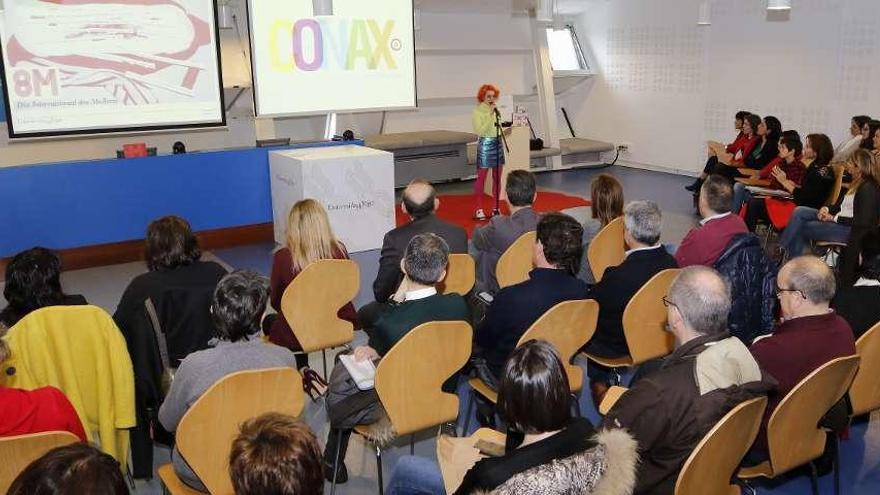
[[499, 134]]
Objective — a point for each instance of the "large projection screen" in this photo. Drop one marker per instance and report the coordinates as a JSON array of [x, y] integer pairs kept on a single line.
[[319, 56], [97, 66]]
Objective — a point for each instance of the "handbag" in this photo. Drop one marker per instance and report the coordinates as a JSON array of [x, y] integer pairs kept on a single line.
[[347, 405]]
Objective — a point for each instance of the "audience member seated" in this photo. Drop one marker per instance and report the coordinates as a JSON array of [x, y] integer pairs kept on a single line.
[[491, 240], [646, 257], [276, 454], [606, 204], [704, 244], [415, 302], [669, 410], [35, 411], [420, 203], [33, 281], [810, 334], [769, 130], [859, 305], [846, 147], [75, 469], [737, 150], [557, 255], [180, 286], [309, 238], [239, 302], [854, 214], [868, 132], [875, 141], [790, 168], [548, 451]]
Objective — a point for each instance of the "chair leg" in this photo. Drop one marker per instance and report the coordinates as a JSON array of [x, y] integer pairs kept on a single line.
[[836, 464], [576, 408], [467, 415], [379, 468], [324, 353], [814, 479], [412, 444], [616, 379], [336, 463]]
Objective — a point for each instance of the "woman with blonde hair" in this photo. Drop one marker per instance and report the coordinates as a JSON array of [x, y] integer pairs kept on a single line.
[[309, 239], [852, 216], [606, 198]]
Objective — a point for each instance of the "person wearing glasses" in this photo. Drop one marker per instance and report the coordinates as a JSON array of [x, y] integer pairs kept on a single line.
[[670, 409], [809, 335]]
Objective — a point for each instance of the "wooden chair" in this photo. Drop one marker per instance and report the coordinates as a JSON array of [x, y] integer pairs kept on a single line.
[[607, 248], [17, 452], [516, 262], [312, 301], [205, 434], [409, 380], [838, 184], [864, 394], [461, 275], [794, 436], [568, 326], [709, 468], [644, 324]]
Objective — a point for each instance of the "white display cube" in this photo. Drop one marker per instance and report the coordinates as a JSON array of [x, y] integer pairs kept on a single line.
[[354, 183]]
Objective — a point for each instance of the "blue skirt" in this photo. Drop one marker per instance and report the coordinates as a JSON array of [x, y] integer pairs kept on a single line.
[[489, 153]]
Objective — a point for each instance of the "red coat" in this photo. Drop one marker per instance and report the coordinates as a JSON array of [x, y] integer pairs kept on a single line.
[[794, 171], [704, 244], [744, 145], [283, 273], [36, 411], [737, 143]]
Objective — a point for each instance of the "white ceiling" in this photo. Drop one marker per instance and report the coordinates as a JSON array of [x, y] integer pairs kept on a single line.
[[565, 7]]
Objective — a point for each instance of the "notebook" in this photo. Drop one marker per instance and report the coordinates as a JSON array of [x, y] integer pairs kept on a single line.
[[362, 372], [763, 191]]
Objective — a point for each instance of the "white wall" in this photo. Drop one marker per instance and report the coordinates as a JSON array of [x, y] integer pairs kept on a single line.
[[456, 52], [666, 85]]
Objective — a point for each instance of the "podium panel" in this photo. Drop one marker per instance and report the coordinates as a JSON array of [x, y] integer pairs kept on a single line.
[[354, 183]]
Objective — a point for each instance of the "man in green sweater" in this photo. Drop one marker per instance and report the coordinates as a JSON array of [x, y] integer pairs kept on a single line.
[[415, 302]]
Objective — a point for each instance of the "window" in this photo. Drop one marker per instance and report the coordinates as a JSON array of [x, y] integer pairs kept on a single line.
[[565, 50]]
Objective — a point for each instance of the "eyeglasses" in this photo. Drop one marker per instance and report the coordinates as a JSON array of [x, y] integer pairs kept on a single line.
[[667, 302], [780, 291]]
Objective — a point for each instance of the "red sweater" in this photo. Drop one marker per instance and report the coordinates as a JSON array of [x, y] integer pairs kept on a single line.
[[36, 411], [744, 145], [794, 171], [704, 244], [797, 348], [283, 273], [737, 143]]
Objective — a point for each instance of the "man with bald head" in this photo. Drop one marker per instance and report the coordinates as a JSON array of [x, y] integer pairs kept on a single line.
[[708, 374], [419, 203], [809, 335]]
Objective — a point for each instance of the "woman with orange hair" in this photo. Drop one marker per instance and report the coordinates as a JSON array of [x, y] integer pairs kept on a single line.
[[489, 152]]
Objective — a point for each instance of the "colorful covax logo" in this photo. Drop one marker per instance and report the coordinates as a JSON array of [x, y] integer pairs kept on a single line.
[[333, 43]]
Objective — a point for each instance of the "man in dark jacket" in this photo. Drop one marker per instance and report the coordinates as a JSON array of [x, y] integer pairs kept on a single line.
[[419, 202], [491, 240], [752, 278], [557, 258], [671, 409], [646, 257]]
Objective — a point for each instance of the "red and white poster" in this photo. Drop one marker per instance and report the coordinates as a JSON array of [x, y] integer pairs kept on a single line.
[[81, 66]]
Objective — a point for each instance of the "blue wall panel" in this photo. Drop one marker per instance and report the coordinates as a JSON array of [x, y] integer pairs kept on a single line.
[[76, 204]]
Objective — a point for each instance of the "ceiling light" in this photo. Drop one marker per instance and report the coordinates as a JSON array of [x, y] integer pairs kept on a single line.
[[705, 18], [778, 4]]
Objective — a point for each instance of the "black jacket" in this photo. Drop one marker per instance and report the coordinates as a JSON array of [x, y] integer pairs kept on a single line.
[[752, 277], [866, 216], [618, 285], [394, 245], [768, 152], [515, 308], [817, 185]]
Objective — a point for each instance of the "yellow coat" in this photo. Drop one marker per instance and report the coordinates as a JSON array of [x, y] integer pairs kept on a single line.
[[79, 350]]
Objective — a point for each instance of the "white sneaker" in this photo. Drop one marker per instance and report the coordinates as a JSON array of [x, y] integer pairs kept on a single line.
[[479, 215]]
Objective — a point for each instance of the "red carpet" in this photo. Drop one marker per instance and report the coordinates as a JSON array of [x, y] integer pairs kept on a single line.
[[459, 208]]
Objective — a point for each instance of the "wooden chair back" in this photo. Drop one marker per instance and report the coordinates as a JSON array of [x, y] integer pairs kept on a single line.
[[312, 301], [205, 434], [568, 326], [644, 319], [838, 184], [794, 436], [716, 458], [516, 262], [17, 452], [865, 390], [461, 275], [409, 376], [607, 248]]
